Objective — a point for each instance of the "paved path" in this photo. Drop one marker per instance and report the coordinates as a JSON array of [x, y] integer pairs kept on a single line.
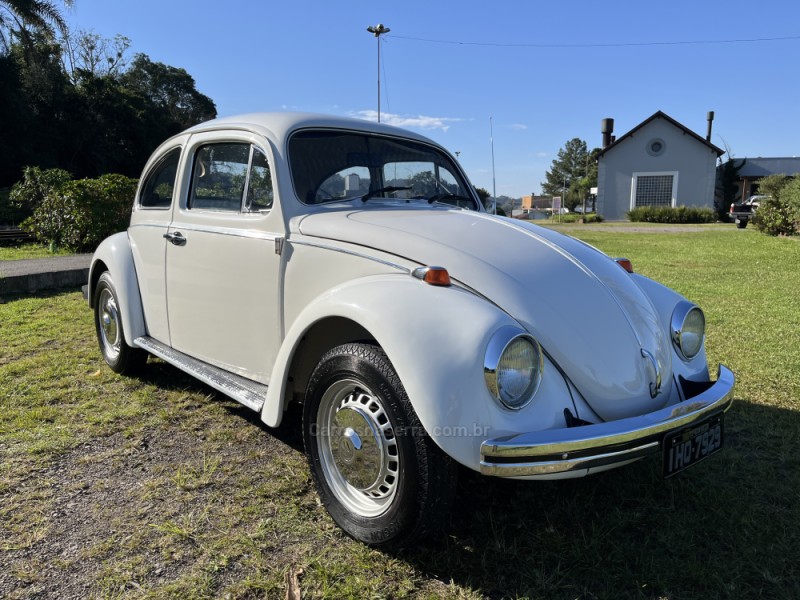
[[34, 274]]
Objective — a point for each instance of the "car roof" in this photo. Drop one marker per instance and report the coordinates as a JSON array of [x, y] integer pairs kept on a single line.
[[280, 125]]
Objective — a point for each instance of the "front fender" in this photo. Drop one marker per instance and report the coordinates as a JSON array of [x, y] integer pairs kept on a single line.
[[114, 254], [664, 300], [436, 338]]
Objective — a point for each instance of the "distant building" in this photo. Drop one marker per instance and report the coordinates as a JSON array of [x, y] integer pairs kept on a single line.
[[660, 162], [753, 169], [352, 184], [536, 202]]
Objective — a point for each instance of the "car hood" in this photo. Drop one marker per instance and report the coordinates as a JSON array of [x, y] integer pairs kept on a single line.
[[589, 315]]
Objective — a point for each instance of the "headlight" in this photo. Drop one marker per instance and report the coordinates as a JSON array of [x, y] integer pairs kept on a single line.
[[513, 367], [688, 329]]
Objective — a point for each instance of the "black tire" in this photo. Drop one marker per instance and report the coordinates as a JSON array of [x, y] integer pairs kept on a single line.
[[118, 355], [383, 480], [741, 223]]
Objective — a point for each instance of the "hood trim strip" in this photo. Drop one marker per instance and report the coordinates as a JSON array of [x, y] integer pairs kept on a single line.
[[580, 266]]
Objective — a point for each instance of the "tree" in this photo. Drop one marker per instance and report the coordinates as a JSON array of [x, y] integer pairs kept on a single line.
[[35, 95], [727, 190], [17, 15], [574, 167], [87, 54], [101, 117], [170, 89], [424, 184], [483, 195]]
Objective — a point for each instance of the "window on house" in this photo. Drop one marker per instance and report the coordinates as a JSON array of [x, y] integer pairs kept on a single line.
[[653, 189]]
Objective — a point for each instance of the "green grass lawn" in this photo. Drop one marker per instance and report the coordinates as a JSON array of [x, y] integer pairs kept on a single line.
[[21, 251], [157, 487]]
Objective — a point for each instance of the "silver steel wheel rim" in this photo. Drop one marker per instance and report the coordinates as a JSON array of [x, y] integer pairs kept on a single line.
[[109, 324], [358, 448]]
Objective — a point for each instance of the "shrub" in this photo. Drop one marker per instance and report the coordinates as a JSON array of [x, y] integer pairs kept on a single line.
[[779, 213], [668, 214], [80, 214], [576, 217], [773, 217], [28, 193], [791, 195]]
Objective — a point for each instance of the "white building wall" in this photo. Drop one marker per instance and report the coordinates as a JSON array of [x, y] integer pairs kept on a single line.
[[694, 162]]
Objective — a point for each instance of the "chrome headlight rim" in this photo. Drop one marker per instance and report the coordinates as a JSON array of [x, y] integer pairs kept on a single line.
[[500, 341], [678, 328]]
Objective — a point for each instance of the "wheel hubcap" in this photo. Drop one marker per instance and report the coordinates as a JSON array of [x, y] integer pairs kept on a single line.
[[109, 319], [358, 449]]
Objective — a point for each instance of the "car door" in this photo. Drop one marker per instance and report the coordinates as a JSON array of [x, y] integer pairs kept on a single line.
[[222, 268]]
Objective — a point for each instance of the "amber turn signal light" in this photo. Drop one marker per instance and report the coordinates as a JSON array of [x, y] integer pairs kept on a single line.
[[432, 275], [625, 264]]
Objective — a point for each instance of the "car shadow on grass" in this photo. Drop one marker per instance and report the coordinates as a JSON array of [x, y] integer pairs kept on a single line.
[[725, 528], [167, 377]]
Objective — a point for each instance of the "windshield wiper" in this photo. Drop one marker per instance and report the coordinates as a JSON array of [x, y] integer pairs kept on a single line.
[[391, 188], [448, 196]]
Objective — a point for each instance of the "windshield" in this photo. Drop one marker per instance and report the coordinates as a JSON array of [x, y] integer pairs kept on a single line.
[[329, 166]]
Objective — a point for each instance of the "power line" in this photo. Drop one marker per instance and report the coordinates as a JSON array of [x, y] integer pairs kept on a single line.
[[602, 45]]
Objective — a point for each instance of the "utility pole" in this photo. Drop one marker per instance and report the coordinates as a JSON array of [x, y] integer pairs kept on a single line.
[[377, 31]]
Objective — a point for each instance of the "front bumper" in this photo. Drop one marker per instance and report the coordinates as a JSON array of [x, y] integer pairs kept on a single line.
[[556, 451]]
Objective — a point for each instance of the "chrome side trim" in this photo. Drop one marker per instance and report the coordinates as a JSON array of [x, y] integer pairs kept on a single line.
[[243, 233], [350, 252], [574, 260], [569, 449], [244, 391], [164, 225]]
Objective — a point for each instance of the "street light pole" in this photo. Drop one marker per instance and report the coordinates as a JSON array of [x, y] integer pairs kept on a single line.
[[377, 31]]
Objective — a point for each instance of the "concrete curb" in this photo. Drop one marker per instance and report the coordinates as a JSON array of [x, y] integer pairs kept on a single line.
[[37, 274]]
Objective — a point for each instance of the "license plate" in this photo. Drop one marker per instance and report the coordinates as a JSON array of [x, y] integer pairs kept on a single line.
[[689, 446]]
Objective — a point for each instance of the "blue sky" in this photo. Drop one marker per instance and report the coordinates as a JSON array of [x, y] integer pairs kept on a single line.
[[511, 65]]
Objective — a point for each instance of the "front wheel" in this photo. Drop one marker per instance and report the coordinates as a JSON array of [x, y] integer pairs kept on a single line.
[[380, 476], [110, 336]]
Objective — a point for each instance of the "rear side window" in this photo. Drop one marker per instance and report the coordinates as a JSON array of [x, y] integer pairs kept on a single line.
[[159, 184]]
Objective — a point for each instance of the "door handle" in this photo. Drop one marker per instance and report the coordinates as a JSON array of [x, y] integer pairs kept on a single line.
[[176, 238]]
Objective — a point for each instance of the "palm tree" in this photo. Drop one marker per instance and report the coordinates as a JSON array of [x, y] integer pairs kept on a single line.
[[17, 15]]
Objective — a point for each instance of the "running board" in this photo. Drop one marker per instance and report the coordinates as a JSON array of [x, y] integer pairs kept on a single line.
[[244, 391]]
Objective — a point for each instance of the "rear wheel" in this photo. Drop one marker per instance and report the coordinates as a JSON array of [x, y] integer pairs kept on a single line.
[[741, 223], [380, 476], [110, 335]]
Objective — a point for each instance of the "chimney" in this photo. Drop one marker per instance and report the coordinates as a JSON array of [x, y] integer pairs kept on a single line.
[[607, 128], [710, 119]]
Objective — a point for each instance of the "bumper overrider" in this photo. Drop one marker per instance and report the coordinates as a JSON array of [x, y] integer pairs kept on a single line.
[[599, 445]]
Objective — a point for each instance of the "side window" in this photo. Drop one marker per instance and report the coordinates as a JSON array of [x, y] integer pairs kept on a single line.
[[259, 184], [219, 176], [160, 182]]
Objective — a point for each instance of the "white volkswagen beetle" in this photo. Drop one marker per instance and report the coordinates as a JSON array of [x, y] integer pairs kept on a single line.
[[350, 266]]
